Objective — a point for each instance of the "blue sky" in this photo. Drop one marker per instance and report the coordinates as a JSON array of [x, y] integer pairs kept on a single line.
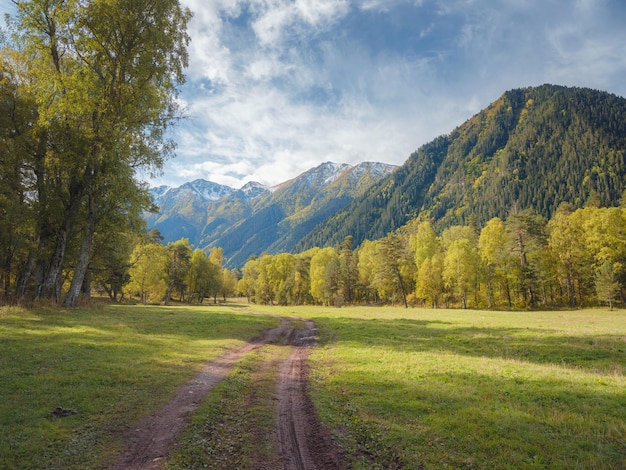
[[276, 87]]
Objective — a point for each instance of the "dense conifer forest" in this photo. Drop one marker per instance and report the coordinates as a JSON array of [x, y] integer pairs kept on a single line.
[[533, 148]]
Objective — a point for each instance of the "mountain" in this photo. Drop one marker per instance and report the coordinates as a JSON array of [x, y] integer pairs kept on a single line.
[[201, 190], [183, 211], [532, 148], [256, 219]]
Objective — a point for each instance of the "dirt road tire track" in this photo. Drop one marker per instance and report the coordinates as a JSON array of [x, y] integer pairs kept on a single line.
[[304, 443], [152, 439]]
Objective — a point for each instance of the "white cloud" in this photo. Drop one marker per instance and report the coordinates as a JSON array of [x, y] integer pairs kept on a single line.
[[265, 68], [386, 5], [277, 87], [278, 18]]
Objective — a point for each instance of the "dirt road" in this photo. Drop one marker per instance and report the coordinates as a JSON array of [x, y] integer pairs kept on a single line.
[[303, 442]]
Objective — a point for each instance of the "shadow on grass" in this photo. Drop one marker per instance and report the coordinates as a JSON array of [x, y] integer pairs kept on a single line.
[[596, 354], [112, 366], [461, 420], [439, 394]]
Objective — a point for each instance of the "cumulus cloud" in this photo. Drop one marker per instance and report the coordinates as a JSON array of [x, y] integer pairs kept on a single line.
[[278, 86], [279, 18]]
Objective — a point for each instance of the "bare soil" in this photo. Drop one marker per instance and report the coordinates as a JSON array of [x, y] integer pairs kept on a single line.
[[304, 444]]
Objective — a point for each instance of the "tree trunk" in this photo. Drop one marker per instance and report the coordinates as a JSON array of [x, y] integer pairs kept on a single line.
[[53, 271], [85, 290], [490, 296], [401, 285], [26, 275], [168, 296], [52, 274], [508, 292], [570, 289], [71, 298]]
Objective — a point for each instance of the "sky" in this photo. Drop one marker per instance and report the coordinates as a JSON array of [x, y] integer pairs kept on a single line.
[[276, 87]]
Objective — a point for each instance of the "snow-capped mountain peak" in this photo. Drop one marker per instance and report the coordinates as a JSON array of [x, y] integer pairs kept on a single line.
[[324, 174], [253, 189], [211, 214], [376, 170], [159, 191], [208, 190]]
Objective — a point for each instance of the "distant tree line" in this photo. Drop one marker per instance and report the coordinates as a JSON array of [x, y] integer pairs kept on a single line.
[[158, 273], [577, 258]]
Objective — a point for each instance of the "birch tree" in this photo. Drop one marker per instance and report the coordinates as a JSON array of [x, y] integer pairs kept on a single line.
[[104, 77]]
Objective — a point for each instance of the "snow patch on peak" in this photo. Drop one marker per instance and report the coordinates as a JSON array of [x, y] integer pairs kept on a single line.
[[208, 190], [324, 174], [159, 192], [253, 189], [335, 170], [376, 170]]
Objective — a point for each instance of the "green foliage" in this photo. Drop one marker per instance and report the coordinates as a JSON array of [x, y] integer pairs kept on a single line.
[[424, 243], [566, 242], [199, 276], [430, 285], [606, 284], [229, 284], [498, 263], [325, 274], [88, 90], [460, 267], [148, 276], [522, 262], [177, 267], [393, 269], [533, 148]]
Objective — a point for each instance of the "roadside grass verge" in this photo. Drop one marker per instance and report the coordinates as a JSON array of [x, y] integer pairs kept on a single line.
[[235, 425], [472, 389], [112, 365]]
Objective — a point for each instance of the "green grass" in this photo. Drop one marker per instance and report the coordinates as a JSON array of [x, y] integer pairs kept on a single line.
[[473, 389], [400, 388], [234, 427], [113, 365]]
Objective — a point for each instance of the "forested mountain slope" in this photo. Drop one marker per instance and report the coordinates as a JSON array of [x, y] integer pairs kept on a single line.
[[249, 221], [532, 148], [279, 219]]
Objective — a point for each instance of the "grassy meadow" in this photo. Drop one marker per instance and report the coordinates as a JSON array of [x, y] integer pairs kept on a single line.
[[473, 389], [413, 389], [112, 365]]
